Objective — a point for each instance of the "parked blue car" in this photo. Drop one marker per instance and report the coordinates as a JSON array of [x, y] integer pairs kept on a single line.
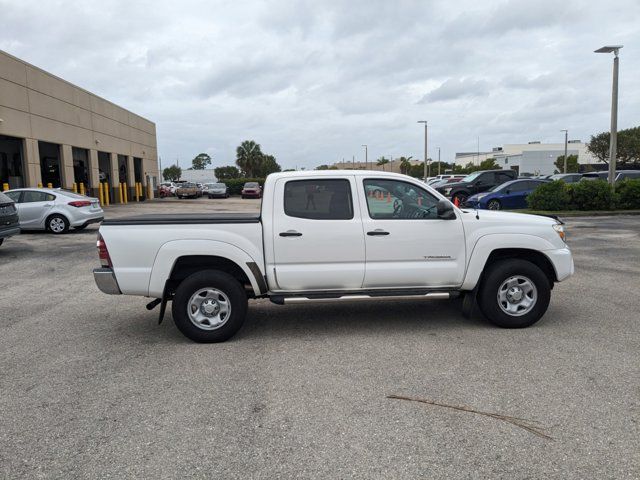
[[509, 195]]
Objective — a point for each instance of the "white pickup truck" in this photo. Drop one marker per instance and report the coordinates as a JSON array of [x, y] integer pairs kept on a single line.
[[333, 236]]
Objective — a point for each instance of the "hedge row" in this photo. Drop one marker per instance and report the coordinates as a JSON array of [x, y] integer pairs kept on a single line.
[[585, 195], [234, 185]]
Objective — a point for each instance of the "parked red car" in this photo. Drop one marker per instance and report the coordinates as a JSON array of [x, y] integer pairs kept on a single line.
[[251, 190]]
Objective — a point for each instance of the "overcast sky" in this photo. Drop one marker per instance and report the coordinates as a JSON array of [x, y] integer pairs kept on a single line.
[[313, 80]]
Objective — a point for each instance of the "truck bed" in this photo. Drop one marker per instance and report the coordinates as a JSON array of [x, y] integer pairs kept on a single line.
[[185, 219]]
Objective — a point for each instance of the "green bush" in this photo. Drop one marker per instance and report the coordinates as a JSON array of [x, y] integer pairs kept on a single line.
[[234, 185], [628, 194], [591, 195], [551, 196]]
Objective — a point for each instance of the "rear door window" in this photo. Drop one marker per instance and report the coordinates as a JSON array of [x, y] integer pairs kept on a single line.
[[31, 196], [318, 199]]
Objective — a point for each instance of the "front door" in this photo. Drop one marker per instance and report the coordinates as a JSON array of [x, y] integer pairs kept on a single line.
[[317, 235], [407, 244], [33, 208]]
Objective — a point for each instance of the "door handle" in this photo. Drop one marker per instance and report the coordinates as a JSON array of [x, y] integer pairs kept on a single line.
[[290, 233], [377, 232]]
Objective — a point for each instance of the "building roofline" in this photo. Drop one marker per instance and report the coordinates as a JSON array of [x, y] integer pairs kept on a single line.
[[73, 85]]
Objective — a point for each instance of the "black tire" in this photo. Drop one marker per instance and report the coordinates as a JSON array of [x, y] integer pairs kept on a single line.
[[1, 241], [218, 280], [57, 224], [243, 197], [498, 273], [495, 203]]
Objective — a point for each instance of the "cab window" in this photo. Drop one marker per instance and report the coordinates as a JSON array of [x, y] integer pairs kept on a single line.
[[398, 200], [30, 196], [318, 199]]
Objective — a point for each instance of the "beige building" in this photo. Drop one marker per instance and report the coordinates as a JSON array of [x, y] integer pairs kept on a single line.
[[52, 132], [392, 166]]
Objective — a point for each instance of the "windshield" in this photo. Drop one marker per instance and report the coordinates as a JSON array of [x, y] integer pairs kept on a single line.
[[251, 184], [472, 176], [218, 185], [502, 186], [4, 198]]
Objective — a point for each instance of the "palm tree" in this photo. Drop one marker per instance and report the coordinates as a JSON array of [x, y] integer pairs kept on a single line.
[[248, 157], [405, 164], [382, 161]]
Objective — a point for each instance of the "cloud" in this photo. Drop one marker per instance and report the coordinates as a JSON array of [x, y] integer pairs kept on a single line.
[[312, 81]]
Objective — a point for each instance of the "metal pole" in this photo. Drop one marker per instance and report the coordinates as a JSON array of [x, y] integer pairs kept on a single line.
[[566, 139], [613, 146], [366, 157], [438, 160], [426, 158]]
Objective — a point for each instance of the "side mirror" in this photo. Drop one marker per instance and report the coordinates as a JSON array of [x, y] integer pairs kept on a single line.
[[445, 210]]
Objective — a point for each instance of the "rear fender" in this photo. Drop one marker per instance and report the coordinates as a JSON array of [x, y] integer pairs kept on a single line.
[[170, 252]]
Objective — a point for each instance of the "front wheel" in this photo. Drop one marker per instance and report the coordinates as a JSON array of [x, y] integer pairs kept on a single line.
[[209, 306], [494, 205], [514, 293]]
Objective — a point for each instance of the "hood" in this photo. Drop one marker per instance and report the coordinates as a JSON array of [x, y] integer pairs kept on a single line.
[[478, 196], [454, 185], [507, 218]]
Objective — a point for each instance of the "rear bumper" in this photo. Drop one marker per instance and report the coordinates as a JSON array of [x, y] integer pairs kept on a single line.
[[562, 261], [106, 281], [77, 219], [9, 231], [93, 220], [251, 194], [217, 195]]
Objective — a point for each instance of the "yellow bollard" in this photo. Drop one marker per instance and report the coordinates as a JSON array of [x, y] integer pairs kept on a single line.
[[39, 185], [148, 190], [120, 195], [137, 192], [82, 190], [107, 194], [74, 187], [126, 193], [100, 196], [49, 185], [5, 187]]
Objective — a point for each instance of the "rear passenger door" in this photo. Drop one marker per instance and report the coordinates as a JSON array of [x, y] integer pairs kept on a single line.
[[33, 208], [318, 239]]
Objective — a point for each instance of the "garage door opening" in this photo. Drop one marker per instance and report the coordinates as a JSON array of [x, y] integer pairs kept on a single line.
[[11, 163], [81, 167], [122, 168], [104, 172], [137, 173], [50, 164]]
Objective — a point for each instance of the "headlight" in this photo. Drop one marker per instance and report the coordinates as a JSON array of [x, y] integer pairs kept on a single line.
[[559, 228]]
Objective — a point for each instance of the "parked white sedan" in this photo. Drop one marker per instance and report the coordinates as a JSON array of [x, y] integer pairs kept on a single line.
[[54, 209]]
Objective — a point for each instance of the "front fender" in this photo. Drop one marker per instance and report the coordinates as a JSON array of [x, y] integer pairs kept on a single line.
[[169, 253], [488, 243]]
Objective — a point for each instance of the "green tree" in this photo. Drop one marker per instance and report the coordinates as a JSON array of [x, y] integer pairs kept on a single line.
[[572, 164], [201, 161], [382, 162], [172, 173], [628, 146], [405, 164], [226, 173], [248, 157], [322, 167], [266, 166]]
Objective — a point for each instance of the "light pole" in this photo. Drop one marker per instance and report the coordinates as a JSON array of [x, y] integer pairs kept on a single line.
[[366, 157], [566, 136], [438, 160], [426, 172], [613, 143]]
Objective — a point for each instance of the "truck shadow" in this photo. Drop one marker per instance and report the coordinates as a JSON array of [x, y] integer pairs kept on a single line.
[[355, 318]]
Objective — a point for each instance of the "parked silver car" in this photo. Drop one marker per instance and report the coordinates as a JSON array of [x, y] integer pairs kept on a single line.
[[213, 190], [54, 209]]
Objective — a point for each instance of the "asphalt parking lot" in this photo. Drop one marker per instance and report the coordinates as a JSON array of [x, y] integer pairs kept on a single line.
[[92, 387]]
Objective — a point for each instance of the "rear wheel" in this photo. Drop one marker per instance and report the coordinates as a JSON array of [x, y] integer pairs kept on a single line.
[[1, 241], [57, 224], [494, 205], [209, 306], [514, 293]]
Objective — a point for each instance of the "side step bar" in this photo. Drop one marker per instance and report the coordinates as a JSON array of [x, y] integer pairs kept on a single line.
[[351, 297]]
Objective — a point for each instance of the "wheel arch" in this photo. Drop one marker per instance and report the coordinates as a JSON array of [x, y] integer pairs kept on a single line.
[[55, 214], [177, 260], [525, 247]]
